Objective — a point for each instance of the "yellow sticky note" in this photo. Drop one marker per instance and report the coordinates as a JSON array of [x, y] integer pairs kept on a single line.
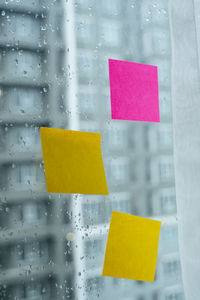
[[132, 247], [73, 161]]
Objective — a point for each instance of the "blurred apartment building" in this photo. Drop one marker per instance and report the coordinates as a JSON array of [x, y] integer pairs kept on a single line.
[[35, 257], [138, 156], [38, 257]]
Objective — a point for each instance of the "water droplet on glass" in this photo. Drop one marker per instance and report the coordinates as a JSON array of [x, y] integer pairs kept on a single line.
[[70, 236]]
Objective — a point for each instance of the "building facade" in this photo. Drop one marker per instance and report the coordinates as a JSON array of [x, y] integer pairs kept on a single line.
[[54, 72]]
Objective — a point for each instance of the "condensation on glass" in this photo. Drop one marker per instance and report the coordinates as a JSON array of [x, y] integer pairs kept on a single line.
[[54, 72]]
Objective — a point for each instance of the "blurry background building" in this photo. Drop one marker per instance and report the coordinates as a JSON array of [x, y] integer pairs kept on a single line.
[[52, 246]]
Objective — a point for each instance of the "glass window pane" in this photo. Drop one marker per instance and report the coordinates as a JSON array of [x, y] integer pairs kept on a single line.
[[54, 73]]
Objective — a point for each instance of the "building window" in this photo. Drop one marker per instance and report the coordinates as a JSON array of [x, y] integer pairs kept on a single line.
[[92, 212], [25, 213], [84, 33], [83, 4], [168, 204], [110, 34], [111, 7], [171, 268], [164, 74], [85, 66], [39, 290], [166, 169], [175, 296], [23, 138], [19, 292], [33, 290], [25, 176], [94, 285], [87, 103], [161, 42], [121, 206], [20, 26], [170, 234], [35, 251], [141, 298], [23, 63], [119, 171], [93, 246], [165, 137], [22, 101], [160, 14], [117, 137], [29, 212], [32, 251], [165, 104]]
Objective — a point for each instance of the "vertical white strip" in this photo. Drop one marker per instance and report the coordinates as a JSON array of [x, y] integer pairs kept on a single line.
[[70, 63], [186, 119], [196, 4], [71, 105]]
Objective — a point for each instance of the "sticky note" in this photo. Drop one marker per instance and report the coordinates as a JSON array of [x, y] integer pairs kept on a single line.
[[73, 161], [133, 91], [132, 247]]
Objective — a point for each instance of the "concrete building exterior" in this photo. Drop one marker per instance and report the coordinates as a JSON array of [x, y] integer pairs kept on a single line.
[[54, 72]]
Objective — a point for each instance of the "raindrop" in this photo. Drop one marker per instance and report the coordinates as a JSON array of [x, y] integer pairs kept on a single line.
[[163, 11]]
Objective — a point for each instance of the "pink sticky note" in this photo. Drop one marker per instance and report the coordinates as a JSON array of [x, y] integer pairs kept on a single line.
[[134, 91]]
